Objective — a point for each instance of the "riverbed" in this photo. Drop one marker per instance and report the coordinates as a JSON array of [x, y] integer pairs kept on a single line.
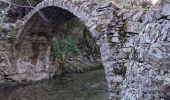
[[82, 86]]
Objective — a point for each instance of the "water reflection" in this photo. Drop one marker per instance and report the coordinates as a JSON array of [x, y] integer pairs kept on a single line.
[[85, 86]]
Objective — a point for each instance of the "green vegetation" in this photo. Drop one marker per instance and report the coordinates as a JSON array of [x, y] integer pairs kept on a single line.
[[120, 71], [12, 33], [1, 29], [65, 48], [122, 33], [109, 38], [70, 46], [12, 36], [55, 49], [98, 28], [73, 25], [62, 51], [33, 1], [78, 67], [73, 49]]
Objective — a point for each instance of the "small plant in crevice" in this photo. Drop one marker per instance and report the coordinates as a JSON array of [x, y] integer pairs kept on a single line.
[[120, 71], [98, 28], [122, 33], [11, 34]]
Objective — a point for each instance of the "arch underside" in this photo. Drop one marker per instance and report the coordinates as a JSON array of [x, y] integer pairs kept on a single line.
[[32, 51], [47, 20], [34, 45]]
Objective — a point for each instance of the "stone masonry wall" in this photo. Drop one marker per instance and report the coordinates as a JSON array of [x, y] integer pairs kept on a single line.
[[137, 43], [147, 75], [6, 38]]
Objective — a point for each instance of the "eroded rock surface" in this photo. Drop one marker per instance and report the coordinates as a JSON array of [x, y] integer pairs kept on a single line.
[[147, 75]]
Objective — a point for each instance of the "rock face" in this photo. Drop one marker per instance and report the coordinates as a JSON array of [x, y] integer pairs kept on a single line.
[[147, 75], [134, 46]]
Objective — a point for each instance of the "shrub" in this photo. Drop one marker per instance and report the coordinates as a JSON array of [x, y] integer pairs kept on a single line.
[[55, 49], [64, 49], [70, 46]]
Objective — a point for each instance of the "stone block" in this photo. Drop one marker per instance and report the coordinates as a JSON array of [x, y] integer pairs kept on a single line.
[[115, 39], [122, 55], [137, 16], [166, 10], [134, 27]]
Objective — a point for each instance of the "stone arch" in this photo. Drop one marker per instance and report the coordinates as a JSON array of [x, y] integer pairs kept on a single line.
[[96, 18], [91, 14]]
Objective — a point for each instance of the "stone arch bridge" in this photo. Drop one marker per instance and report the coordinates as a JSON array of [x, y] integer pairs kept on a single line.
[[47, 18], [128, 40]]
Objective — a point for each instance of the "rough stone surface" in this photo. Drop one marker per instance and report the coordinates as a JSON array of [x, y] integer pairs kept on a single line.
[[134, 46], [134, 27], [147, 76], [166, 10]]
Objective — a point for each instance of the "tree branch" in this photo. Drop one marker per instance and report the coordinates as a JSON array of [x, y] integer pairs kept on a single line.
[[39, 12], [30, 6], [16, 4]]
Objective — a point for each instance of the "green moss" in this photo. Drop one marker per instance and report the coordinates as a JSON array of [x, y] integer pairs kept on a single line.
[[98, 28], [72, 25], [109, 38], [96, 66], [112, 45], [1, 29], [120, 71], [77, 67], [115, 11], [122, 33], [11, 33]]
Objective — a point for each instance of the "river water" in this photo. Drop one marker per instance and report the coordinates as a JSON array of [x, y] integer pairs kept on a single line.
[[84, 86]]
